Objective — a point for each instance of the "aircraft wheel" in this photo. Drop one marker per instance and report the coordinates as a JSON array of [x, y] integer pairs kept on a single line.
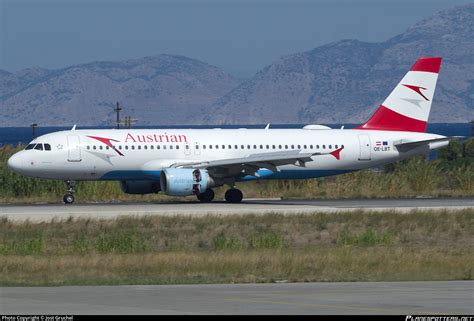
[[207, 196], [68, 199], [234, 195]]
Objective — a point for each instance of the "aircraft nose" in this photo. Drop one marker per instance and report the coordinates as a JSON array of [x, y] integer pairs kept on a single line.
[[15, 163]]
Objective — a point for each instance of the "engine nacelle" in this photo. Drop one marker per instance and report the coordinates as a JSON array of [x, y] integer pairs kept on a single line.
[[184, 181], [139, 187]]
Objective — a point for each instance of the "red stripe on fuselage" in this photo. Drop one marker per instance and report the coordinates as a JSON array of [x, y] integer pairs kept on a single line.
[[427, 64], [108, 142], [337, 153], [387, 119]]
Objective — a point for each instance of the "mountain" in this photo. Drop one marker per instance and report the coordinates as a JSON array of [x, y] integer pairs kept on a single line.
[[346, 81], [162, 89]]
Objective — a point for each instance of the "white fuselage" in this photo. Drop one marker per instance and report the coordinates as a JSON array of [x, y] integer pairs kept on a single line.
[[140, 154]]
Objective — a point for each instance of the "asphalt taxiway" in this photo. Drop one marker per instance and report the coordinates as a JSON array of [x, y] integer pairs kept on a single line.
[[46, 212], [453, 297]]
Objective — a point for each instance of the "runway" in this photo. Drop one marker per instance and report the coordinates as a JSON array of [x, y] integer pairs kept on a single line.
[[453, 297], [46, 212]]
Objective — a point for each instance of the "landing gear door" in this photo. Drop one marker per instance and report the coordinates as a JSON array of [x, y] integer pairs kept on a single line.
[[364, 145], [74, 150]]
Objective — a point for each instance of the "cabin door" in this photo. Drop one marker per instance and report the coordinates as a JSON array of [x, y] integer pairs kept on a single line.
[[74, 149], [364, 145]]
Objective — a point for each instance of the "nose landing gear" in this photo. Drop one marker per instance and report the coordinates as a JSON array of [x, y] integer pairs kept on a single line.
[[69, 196]]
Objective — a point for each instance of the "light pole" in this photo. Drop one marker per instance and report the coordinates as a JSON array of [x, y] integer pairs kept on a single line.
[[33, 129], [117, 110]]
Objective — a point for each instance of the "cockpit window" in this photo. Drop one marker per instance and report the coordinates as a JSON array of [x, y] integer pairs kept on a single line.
[[30, 146], [47, 147], [39, 146]]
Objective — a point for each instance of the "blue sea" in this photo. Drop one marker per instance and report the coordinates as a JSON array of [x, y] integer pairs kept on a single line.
[[23, 135]]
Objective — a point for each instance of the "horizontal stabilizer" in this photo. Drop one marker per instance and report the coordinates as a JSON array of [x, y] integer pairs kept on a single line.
[[404, 145]]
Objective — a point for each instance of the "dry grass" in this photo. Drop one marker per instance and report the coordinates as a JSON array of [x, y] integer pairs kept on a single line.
[[344, 263], [354, 246]]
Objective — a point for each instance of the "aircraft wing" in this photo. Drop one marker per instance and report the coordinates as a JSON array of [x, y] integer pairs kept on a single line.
[[251, 164]]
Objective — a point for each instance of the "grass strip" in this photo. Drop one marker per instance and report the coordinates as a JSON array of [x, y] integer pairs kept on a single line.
[[356, 246]]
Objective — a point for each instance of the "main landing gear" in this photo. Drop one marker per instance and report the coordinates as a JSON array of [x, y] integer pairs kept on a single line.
[[69, 196], [234, 195], [207, 196]]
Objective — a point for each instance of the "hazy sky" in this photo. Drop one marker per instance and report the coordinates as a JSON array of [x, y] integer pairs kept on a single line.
[[239, 36]]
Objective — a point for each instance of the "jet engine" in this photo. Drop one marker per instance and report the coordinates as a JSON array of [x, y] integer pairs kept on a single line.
[[140, 187], [185, 181]]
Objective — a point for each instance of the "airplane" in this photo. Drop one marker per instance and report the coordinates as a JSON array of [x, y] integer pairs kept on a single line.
[[181, 162]]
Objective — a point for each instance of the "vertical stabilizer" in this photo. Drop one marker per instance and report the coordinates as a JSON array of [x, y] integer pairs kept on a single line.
[[408, 106]]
